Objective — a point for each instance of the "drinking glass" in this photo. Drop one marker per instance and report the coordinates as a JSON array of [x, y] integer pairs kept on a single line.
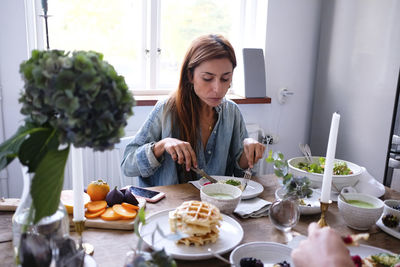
[[284, 214]]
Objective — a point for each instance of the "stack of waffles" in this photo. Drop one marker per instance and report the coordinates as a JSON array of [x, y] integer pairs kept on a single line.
[[199, 220]]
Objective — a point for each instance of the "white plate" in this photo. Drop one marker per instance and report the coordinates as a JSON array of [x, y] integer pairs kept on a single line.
[[252, 190], [391, 231], [230, 235], [365, 251], [312, 203], [268, 252]]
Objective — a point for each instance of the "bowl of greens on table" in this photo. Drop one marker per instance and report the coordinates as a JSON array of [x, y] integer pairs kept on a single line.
[[345, 173]]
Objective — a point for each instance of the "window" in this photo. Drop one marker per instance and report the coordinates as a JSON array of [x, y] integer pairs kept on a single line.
[[145, 40]]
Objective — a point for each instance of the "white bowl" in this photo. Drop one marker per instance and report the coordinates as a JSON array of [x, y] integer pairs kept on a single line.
[[212, 193], [360, 218], [389, 207], [340, 181], [268, 252]]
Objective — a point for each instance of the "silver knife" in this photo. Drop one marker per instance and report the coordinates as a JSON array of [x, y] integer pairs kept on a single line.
[[204, 174]]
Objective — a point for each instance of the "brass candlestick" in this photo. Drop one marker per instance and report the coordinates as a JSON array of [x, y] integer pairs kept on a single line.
[[324, 207], [79, 228]]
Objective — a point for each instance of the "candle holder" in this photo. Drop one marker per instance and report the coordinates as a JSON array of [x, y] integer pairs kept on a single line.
[[79, 228], [324, 207]]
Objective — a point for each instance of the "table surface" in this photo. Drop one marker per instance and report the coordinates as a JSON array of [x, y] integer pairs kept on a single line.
[[111, 246]]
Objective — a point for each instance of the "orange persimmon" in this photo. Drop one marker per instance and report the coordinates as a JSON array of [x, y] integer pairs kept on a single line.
[[95, 206], [129, 206], [97, 190], [110, 215], [125, 213], [91, 215]]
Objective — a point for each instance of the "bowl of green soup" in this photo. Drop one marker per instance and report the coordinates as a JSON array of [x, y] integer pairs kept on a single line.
[[360, 211], [226, 197]]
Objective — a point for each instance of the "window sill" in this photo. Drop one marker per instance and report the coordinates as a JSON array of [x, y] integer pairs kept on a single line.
[[151, 100]]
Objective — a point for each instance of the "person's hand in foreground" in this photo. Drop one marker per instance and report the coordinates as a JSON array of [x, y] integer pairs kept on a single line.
[[323, 247]]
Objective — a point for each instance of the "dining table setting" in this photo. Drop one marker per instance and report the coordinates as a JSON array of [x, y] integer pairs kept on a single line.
[[112, 245], [220, 220]]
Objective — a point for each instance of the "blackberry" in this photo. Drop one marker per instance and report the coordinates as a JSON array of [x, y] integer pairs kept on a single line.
[[282, 264], [250, 262], [390, 220]]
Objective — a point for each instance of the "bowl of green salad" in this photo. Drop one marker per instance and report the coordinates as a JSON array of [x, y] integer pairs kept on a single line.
[[345, 173]]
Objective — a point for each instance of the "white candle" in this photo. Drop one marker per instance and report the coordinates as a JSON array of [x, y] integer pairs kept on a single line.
[[330, 156], [77, 183]]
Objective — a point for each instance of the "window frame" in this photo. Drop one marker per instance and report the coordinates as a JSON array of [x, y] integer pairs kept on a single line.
[[250, 14]]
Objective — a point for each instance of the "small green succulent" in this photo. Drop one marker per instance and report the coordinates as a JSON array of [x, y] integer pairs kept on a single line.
[[295, 186]]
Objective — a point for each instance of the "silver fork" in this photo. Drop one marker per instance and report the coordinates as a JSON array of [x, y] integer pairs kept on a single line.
[[306, 155], [246, 177]]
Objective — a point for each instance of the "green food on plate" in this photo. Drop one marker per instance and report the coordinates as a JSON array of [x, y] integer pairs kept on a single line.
[[233, 182]]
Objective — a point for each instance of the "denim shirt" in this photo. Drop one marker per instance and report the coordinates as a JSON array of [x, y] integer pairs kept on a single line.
[[220, 157]]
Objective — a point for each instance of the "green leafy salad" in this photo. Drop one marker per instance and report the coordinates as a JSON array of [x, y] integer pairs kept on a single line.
[[339, 168]]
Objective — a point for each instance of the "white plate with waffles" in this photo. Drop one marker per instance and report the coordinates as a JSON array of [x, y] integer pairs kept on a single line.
[[230, 235], [252, 190]]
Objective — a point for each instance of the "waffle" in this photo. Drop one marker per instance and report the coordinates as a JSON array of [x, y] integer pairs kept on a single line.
[[199, 220], [198, 213], [199, 240]]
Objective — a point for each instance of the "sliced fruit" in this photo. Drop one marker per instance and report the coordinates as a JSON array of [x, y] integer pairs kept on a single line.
[[95, 206], [110, 215], [97, 190], [129, 206], [67, 198], [126, 213], [91, 215]]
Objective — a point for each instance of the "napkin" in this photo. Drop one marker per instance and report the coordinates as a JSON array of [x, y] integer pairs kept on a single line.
[[252, 208], [195, 184]]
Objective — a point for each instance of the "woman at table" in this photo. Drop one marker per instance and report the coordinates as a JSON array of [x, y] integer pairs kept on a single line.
[[196, 126]]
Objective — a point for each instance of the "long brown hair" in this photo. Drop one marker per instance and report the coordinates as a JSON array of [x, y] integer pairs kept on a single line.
[[184, 103]]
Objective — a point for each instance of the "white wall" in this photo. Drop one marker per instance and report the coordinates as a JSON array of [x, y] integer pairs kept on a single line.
[[357, 75], [291, 53], [13, 50]]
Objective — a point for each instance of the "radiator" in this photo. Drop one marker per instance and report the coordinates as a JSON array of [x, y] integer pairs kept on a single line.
[[257, 133], [101, 165]]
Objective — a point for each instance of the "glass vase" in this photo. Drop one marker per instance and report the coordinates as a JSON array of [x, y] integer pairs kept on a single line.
[[34, 244]]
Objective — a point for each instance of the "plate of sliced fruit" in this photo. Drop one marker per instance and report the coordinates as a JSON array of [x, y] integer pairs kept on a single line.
[[105, 208]]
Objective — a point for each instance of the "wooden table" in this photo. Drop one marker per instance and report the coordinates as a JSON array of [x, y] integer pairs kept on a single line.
[[111, 246]]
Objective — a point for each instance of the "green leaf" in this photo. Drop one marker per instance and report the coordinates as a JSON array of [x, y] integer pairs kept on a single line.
[[35, 147], [10, 148], [48, 182], [141, 218]]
